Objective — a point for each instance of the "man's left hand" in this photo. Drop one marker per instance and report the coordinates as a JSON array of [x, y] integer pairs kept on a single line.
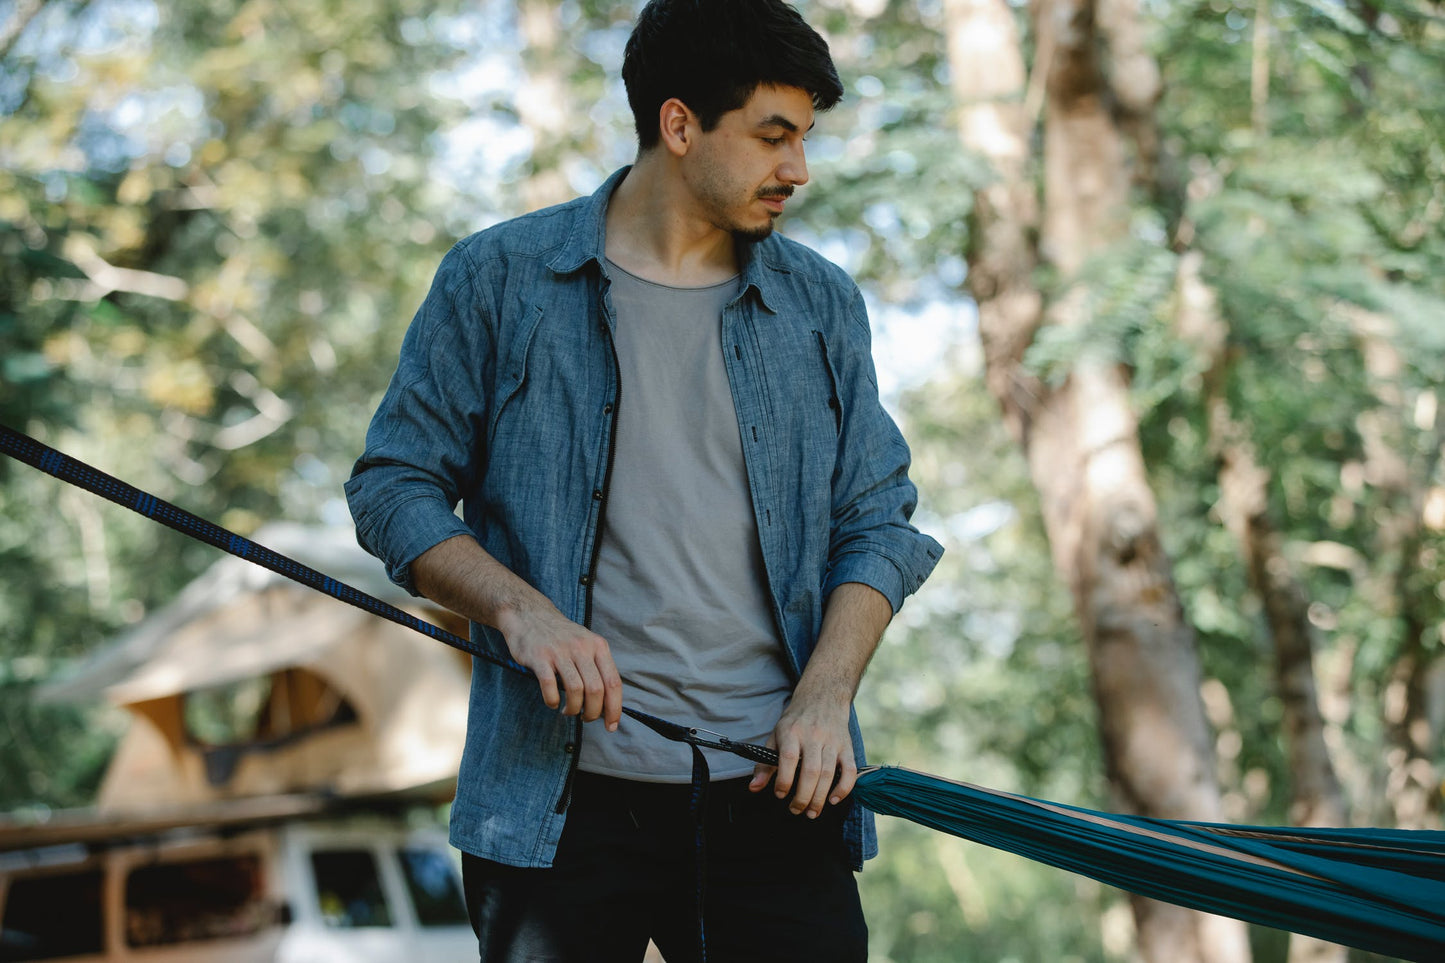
[[814, 750]]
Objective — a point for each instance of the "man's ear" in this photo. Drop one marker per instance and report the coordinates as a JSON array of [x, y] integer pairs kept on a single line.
[[677, 125]]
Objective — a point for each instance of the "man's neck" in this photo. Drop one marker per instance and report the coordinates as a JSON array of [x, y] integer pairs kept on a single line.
[[652, 232]]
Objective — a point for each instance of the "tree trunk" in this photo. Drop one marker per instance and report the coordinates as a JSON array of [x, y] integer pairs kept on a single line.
[[1413, 784], [1081, 438], [1413, 789], [1315, 795], [541, 102]]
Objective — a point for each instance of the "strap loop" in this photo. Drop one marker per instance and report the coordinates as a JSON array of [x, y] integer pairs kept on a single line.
[[694, 737]]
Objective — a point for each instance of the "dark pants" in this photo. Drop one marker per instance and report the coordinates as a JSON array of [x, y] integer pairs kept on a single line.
[[778, 886]]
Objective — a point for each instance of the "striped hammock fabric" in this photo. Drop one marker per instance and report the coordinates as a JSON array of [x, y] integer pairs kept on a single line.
[[1376, 889], [1381, 890]]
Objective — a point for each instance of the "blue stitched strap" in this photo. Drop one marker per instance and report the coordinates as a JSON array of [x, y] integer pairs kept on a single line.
[[23, 448]]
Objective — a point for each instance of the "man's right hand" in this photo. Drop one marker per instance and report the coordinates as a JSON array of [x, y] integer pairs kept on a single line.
[[568, 660]]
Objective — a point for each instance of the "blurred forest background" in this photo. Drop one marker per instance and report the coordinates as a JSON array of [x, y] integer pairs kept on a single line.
[[1158, 292]]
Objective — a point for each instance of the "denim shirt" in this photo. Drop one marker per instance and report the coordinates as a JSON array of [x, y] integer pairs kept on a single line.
[[504, 399]]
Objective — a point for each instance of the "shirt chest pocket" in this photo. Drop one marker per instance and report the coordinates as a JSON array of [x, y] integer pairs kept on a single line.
[[805, 385], [805, 402], [512, 372], [835, 402], [554, 387]]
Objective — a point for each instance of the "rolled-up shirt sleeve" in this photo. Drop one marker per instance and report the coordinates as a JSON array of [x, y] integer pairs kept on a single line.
[[872, 540], [423, 448]]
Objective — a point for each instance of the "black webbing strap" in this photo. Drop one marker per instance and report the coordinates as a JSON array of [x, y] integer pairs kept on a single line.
[[701, 780], [700, 737], [23, 448]]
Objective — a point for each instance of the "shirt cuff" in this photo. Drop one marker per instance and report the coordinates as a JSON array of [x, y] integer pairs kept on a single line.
[[412, 527], [875, 571]]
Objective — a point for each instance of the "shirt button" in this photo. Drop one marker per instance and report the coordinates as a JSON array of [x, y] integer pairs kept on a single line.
[[597, 494], [570, 748], [607, 409], [585, 579]]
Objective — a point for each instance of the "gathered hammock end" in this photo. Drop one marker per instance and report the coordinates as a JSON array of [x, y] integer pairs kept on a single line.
[[1380, 890]]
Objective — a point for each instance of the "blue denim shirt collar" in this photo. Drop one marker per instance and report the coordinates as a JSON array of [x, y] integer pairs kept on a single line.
[[587, 244]]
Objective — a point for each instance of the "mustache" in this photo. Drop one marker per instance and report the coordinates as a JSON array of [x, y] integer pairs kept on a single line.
[[782, 192]]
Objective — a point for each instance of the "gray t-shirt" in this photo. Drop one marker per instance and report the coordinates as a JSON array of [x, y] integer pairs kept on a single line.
[[681, 594]]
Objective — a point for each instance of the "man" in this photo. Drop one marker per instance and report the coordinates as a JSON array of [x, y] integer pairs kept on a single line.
[[679, 491]]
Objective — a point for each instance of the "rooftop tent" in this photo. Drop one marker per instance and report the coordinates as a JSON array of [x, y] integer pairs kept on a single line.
[[249, 684]]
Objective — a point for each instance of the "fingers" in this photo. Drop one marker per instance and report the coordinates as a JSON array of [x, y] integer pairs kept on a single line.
[[815, 777], [805, 771], [790, 752], [847, 777], [589, 680], [763, 773], [611, 693], [574, 668], [547, 680], [600, 694], [815, 767], [570, 677]]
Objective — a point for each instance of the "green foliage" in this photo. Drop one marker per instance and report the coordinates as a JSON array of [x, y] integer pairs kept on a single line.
[[276, 237], [892, 193], [1127, 306], [1322, 242]]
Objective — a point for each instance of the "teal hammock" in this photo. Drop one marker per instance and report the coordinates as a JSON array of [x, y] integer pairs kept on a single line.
[[1381, 890], [1376, 889]]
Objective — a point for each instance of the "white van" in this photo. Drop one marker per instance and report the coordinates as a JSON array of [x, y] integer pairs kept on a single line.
[[365, 889]]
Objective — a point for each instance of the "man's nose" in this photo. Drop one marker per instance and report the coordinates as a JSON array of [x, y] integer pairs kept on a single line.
[[795, 169]]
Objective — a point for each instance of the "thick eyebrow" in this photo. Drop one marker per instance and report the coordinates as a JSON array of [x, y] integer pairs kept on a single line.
[[778, 120]]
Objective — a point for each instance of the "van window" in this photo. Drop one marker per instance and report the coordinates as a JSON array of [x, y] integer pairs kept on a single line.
[[431, 879], [52, 916], [202, 899], [348, 888]]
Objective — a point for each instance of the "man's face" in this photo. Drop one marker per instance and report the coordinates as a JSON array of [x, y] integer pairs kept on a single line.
[[745, 168]]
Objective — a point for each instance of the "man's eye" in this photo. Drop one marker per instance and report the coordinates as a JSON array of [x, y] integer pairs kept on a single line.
[[772, 141]]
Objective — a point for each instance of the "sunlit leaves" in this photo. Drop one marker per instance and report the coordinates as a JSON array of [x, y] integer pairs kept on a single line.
[[196, 287]]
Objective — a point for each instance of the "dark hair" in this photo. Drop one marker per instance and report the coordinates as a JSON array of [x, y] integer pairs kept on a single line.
[[712, 55]]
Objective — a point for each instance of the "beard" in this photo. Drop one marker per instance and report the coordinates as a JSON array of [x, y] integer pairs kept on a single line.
[[723, 198], [752, 235]]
